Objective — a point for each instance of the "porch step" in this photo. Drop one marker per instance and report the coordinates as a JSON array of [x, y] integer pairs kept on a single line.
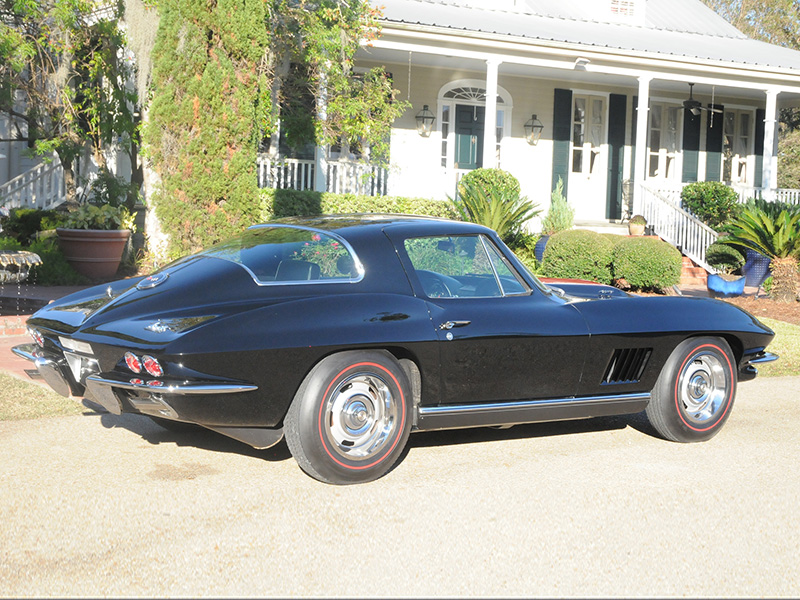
[[692, 275]]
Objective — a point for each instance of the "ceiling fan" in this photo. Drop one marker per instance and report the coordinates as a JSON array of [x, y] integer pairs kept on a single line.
[[695, 106]]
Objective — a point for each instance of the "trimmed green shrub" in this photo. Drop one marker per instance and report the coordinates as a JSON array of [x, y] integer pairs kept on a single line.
[[578, 254], [9, 243], [647, 263], [712, 202], [54, 270], [492, 179], [724, 258], [24, 223], [291, 203]]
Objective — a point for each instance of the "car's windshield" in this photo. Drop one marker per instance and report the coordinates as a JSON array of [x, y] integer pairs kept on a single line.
[[280, 254]]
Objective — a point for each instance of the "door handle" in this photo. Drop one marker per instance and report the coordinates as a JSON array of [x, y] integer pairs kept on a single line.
[[451, 324]]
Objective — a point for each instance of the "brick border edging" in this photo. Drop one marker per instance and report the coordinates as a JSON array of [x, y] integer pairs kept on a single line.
[[13, 325]]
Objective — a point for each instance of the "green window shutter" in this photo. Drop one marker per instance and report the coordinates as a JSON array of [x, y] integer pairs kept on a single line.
[[714, 130], [761, 115], [691, 146], [562, 136], [617, 105]]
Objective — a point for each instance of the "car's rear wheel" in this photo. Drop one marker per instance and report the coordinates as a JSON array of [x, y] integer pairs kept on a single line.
[[694, 394], [350, 419]]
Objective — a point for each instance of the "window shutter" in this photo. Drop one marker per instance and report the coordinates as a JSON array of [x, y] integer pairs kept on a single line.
[[714, 130], [617, 105], [562, 121], [761, 116], [691, 145]]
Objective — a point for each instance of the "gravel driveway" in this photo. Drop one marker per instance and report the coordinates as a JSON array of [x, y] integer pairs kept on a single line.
[[101, 505]]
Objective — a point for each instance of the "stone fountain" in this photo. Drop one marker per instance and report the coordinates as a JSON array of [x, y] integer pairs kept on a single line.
[[16, 264]]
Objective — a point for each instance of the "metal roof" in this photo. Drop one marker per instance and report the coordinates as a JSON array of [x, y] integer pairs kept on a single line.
[[672, 28]]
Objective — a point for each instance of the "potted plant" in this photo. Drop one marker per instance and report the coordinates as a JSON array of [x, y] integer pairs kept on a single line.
[[726, 260], [636, 225], [93, 237]]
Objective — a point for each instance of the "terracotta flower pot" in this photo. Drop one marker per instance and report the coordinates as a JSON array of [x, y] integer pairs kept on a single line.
[[92, 252]]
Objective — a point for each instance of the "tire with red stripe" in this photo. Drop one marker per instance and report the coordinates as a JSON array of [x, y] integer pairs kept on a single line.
[[694, 394], [350, 420]]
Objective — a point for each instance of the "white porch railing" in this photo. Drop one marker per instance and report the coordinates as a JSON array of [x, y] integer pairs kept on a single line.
[[343, 177], [41, 187], [286, 173], [789, 196], [676, 225]]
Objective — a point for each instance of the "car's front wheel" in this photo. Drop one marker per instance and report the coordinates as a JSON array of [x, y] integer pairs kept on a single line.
[[351, 417], [694, 394]]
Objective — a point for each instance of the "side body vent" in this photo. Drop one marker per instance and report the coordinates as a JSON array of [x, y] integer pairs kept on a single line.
[[627, 365]]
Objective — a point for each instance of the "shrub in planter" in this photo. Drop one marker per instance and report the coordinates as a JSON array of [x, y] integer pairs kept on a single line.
[[647, 263], [724, 258], [492, 179], [712, 202], [578, 254]]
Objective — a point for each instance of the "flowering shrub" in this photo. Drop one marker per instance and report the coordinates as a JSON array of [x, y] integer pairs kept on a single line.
[[322, 251]]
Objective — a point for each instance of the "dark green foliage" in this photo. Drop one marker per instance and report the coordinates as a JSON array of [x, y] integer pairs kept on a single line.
[[578, 254], [9, 243], [290, 203], [647, 263], [492, 179], [724, 258], [210, 93], [24, 223], [523, 246], [712, 202], [54, 270], [491, 198]]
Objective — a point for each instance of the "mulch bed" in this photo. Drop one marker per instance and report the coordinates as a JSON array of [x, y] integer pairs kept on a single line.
[[766, 307]]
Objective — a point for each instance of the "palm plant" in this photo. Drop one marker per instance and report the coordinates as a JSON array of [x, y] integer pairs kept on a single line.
[[498, 208], [775, 236]]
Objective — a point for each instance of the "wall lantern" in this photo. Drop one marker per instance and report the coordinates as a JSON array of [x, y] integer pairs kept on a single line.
[[425, 119], [533, 130]]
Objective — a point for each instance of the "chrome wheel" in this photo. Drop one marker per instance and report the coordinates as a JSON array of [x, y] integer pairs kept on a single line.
[[360, 416], [703, 388]]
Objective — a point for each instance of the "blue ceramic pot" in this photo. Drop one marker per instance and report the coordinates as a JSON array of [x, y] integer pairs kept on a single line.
[[725, 288], [756, 268]]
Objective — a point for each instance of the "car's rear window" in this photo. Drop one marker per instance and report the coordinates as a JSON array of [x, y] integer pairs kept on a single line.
[[281, 254]]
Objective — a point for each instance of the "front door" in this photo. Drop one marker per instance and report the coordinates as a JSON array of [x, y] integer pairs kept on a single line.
[[469, 136], [589, 160]]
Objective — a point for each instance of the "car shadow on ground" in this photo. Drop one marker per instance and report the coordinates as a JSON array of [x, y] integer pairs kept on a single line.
[[185, 435], [199, 437]]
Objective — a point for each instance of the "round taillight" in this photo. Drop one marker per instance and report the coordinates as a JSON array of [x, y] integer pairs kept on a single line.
[[152, 366], [137, 382], [155, 383], [133, 362]]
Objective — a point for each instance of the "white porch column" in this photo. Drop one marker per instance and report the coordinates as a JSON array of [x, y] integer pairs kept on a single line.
[[769, 179], [321, 152], [490, 122], [640, 165]]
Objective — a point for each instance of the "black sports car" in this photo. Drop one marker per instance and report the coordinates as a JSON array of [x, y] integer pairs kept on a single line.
[[343, 334]]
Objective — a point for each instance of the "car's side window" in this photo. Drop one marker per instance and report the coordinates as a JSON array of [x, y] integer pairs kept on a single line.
[[461, 267]]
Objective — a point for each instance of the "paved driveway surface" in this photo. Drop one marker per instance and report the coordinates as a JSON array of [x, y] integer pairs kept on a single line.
[[101, 505]]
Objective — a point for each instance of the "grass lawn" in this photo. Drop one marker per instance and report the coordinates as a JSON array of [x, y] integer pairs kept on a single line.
[[22, 400], [786, 345]]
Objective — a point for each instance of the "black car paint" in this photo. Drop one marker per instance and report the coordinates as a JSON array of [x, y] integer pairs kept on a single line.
[[535, 346]]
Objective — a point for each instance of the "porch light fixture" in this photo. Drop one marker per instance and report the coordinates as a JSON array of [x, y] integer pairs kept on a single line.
[[425, 119], [533, 130]]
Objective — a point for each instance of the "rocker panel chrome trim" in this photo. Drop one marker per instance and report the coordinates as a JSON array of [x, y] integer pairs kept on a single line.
[[529, 411]]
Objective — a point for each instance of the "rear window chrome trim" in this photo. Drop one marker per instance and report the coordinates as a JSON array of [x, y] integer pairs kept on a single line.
[[357, 262]]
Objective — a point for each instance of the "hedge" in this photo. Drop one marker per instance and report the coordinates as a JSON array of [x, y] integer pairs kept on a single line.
[[578, 254], [647, 263], [292, 203]]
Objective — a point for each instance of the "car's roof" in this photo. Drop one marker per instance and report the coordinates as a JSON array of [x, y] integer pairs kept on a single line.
[[368, 223]]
